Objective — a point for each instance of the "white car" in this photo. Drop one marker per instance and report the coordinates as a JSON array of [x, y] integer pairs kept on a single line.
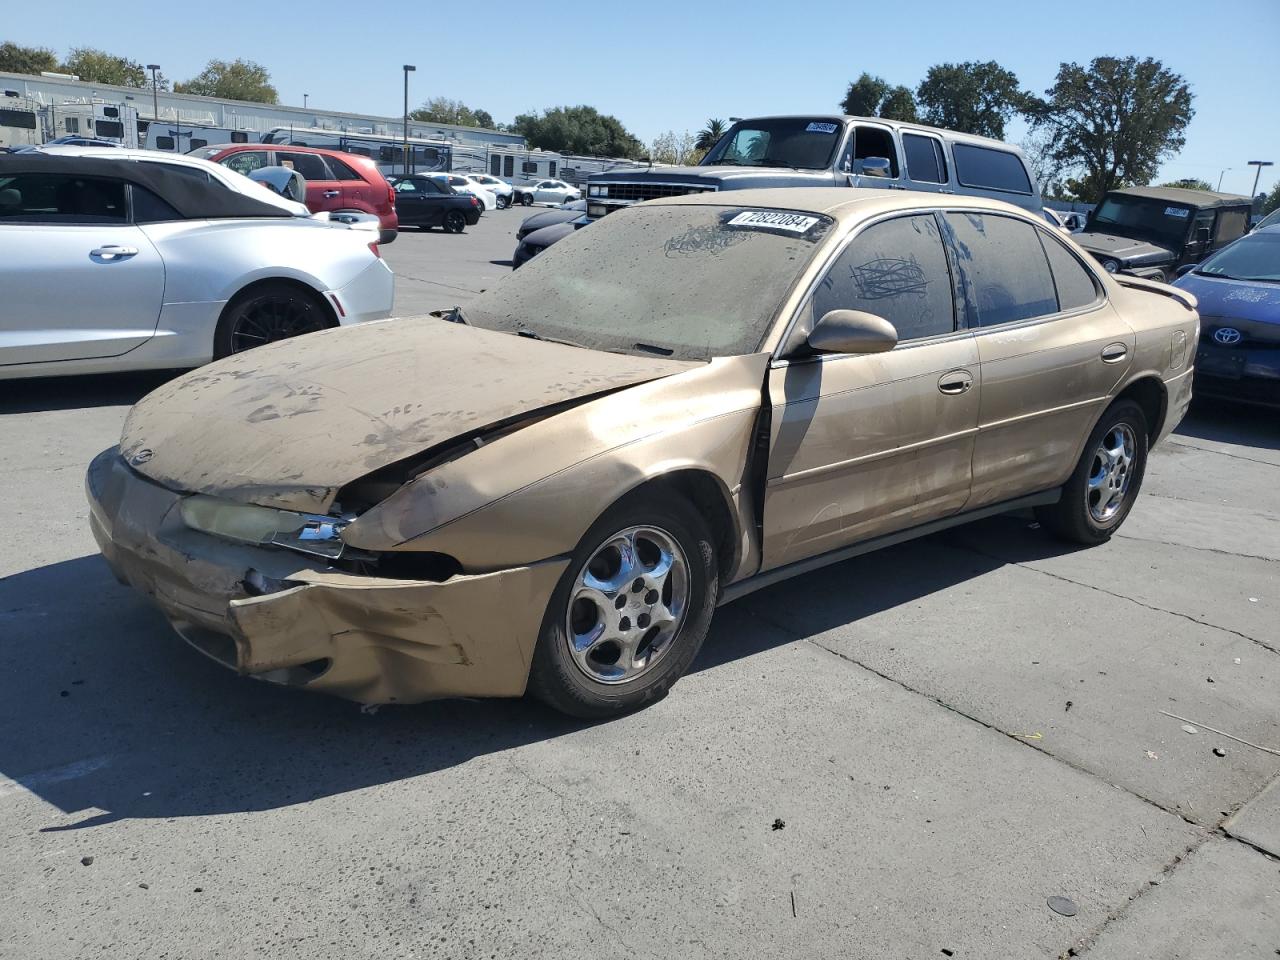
[[115, 265], [488, 199], [501, 189], [554, 192]]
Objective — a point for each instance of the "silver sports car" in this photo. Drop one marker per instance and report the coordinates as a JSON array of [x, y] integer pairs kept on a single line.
[[112, 265]]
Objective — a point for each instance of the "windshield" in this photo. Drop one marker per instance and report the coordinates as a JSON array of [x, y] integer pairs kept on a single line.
[[1142, 217], [808, 143], [690, 282], [1255, 257]]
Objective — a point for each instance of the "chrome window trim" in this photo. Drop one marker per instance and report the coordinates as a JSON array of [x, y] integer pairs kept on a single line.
[[839, 245]]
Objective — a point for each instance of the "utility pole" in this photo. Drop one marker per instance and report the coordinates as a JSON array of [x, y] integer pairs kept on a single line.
[[155, 96], [408, 69], [1257, 176], [1220, 176]]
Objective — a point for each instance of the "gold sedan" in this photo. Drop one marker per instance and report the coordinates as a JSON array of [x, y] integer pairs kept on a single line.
[[554, 488]]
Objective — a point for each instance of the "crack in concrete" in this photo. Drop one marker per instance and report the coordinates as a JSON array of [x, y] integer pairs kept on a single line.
[[1222, 453], [571, 889], [1118, 596], [1188, 546]]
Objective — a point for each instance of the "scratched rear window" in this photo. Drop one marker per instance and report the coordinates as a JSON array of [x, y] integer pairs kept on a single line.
[[691, 282]]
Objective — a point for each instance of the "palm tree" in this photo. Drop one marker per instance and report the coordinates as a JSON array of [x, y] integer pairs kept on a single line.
[[710, 134]]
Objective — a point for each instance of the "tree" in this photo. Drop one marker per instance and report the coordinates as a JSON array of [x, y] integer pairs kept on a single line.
[[864, 96], [1189, 183], [870, 96], [232, 80], [678, 148], [710, 135], [444, 110], [98, 66], [1114, 121], [899, 104], [1037, 148], [971, 97], [1272, 200], [580, 129], [19, 59]]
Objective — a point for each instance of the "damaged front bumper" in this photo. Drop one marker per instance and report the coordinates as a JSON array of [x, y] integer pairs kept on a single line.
[[289, 619]]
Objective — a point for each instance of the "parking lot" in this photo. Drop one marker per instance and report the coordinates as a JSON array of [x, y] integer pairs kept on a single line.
[[906, 755]]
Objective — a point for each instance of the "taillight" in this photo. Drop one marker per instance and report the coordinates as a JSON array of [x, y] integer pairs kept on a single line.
[[391, 195], [475, 202], [373, 247]]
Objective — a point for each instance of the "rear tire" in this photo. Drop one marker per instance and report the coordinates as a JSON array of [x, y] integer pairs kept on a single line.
[[1100, 493], [625, 622], [455, 221], [265, 313], [526, 199]]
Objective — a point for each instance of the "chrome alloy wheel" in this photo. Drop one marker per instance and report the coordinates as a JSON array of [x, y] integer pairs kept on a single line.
[[1111, 472], [627, 604]]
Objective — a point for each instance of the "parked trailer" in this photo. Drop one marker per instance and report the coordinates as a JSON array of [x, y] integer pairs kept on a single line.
[[117, 122], [425, 156], [19, 121]]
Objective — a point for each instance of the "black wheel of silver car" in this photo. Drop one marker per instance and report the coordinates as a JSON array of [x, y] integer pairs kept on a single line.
[[455, 221], [267, 313], [526, 199], [631, 611], [1101, 491]]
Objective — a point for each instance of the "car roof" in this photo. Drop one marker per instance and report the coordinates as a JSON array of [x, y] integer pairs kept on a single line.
[[1189, 198], [903, 125], [840, 203]]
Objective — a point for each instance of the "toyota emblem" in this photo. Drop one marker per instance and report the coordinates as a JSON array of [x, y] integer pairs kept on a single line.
[[1227, 336]]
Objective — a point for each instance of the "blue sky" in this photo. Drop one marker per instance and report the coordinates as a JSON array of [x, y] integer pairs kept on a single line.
[[660, 65]]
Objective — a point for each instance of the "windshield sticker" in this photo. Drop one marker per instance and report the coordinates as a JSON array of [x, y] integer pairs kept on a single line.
[[817, 127], [1176, 212], [775, 220]]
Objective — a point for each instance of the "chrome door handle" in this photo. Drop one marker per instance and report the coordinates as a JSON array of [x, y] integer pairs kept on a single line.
[[1114, 352], [956, 382], [332, 193], [112, 252]]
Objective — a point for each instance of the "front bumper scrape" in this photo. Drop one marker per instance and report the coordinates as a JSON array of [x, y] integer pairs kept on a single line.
[[287, 619]]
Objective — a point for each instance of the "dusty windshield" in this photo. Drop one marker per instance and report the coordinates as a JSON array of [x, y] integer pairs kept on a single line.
[[689, 282], [1143, 218], [807, 143]]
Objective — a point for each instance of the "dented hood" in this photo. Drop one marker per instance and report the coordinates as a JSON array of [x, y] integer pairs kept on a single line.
[[287, 425]]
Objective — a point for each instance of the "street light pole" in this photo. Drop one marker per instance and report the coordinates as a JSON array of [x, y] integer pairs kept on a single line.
[[155, 95], [304, 100], [408, 68], [1257, 176]]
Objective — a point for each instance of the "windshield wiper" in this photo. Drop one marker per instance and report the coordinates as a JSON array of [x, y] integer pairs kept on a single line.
[[537, 336]]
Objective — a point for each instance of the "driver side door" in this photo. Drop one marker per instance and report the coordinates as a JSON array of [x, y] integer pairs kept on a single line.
[[864, 445]]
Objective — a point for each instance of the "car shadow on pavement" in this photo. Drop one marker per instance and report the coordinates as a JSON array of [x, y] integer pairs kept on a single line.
[[1232, 423], [78, 393], [109, 716]]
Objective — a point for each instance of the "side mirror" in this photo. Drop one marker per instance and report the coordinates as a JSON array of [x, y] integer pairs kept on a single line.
[[852, 331], [1186, 268], [874, 167], [1203, 235]]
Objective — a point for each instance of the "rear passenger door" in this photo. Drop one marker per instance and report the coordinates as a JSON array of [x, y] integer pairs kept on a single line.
[[863, 445], [357, 193], [1052, 349]]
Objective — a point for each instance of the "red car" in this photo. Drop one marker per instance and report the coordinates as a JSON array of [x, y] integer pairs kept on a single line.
[[336, 181]]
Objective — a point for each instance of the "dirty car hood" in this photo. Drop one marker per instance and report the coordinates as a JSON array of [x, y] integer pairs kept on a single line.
[[1125, 249], [287, 425]]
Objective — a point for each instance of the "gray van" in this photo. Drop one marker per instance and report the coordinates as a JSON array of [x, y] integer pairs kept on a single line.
[[814, 151]]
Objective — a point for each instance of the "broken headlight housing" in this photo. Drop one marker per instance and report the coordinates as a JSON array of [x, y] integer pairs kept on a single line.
[[319, 536]]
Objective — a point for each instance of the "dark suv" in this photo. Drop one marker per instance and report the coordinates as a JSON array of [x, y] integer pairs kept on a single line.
[[1150, 232]]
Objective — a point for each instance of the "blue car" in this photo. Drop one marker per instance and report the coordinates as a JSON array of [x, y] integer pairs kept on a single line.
[[1239, 293]]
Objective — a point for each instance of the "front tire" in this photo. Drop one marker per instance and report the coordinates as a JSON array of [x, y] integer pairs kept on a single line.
[[268, 312], [631, 611], [526, 199], [503, 202], [1100, 493]]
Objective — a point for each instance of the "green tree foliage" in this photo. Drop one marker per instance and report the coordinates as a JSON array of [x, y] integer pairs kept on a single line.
[[709, 135], [971, 97], [1114, 121], [19, 59], [98, 66], [444, 110], [870, 96], [1189, 183], [234, 80], [899, 104], [1272, 200], [580, 129], [677, 148]]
